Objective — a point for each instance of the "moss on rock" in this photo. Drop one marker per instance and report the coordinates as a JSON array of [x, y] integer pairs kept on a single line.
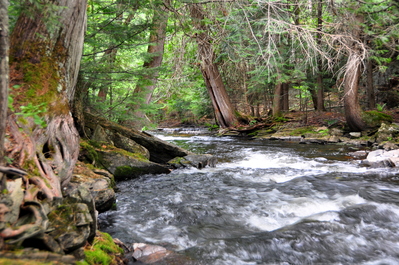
[[103, 250]]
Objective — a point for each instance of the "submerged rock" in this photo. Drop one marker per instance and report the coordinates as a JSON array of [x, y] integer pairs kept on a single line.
[[198, 161]]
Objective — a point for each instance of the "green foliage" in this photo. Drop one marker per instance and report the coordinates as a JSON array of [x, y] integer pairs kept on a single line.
[[34, 111], [211, 127], [8, 160], [380, 107]]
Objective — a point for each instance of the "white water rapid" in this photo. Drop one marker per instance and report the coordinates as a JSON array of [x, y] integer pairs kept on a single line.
[[264, 203]]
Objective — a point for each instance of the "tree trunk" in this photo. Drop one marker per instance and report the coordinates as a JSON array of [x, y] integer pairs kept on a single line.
[[4, 81], [222, 106], [277, 100], [319, 81], [44, 64], [155, 51], [370, 86], [320, 92], [46, 60], [353, 112], [285, 106]]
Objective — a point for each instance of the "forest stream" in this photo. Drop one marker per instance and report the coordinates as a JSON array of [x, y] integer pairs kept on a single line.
[[265, 202]]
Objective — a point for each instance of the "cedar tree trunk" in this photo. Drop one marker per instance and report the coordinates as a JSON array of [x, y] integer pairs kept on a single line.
[[353, 112], [44, 64], [222, 106]]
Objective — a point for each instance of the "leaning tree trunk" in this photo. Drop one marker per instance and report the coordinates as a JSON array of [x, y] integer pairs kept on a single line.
[[222, 106], [44, 64], [353, 112]]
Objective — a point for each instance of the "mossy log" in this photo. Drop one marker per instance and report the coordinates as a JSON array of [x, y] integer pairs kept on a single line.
[[160, 151]]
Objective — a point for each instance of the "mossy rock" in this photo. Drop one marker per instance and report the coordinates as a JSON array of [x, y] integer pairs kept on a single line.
[[375, 118], [103, 250]]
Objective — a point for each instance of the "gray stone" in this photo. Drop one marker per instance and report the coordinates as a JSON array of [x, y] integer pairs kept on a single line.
[[355, 134], [129, 145], [149, 254], [100, 135], [75, 193], [388, 146], [198, 161], [336, 132], [99, 183]]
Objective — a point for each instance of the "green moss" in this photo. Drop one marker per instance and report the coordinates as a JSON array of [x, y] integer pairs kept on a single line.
[[127, 171], [303, 131], [102, 251], [137, 156], [39, 70], [280, 119], [88, 152], [374, 118]]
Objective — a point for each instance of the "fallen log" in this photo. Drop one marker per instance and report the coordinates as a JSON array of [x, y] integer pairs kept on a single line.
[[160, 151]]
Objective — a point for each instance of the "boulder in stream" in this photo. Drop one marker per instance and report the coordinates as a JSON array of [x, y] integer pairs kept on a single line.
[[382, 158], [198, 161]]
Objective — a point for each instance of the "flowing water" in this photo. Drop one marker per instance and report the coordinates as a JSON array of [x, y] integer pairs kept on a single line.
[[265, 203]]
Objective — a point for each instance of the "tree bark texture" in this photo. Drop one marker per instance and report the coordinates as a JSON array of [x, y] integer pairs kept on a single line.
[[370, 85], [33, 40], [222, 106], [44, 63], [277, 100], [285, 104], [353, 112], [4, 80]]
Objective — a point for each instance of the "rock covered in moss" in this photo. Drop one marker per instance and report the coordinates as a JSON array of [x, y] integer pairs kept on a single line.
[[387, 132], [125, 166]]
